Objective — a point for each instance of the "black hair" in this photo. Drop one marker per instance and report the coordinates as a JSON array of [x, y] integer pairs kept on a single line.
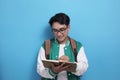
[[61, 18]]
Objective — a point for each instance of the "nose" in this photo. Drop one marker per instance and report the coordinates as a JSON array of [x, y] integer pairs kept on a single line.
[[58, 33]]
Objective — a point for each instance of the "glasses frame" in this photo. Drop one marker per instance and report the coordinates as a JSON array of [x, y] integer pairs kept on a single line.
[[61, 30]]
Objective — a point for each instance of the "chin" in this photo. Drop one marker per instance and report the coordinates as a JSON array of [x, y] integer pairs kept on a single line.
[[61, 40]]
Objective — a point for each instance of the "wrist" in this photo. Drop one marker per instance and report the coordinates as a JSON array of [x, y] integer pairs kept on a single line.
[[52, 73]]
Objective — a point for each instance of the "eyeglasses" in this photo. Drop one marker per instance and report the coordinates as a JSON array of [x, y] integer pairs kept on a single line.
[[61, 30]]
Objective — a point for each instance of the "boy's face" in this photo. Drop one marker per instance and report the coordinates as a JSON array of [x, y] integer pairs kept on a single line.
[[60, 32]]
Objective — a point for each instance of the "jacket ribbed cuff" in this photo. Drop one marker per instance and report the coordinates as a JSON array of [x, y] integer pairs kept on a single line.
[[52, 73]]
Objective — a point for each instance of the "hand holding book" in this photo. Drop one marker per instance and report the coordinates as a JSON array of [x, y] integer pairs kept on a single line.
[[60, 65], [63, 58]]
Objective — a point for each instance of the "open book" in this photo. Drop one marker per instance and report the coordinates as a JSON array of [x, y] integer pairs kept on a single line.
[[48, 64]]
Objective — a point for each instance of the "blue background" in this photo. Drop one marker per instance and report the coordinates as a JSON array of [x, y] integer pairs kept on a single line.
[[24, 26]]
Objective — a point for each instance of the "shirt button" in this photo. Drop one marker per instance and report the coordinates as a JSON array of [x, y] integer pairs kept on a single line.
[[65, 48], [56, 56], [69, 74]]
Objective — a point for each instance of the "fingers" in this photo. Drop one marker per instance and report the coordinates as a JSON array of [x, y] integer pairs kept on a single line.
[[65, 67], [60, 68], [64, 58], [57, 69], [62, 65]]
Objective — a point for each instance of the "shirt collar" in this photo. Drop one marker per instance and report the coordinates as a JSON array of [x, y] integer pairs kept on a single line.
[[67, 42]]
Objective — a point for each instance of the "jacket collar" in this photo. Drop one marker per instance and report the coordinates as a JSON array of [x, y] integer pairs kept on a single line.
[[66, 44]]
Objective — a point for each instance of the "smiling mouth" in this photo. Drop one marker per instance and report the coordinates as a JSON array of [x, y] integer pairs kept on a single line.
[[60, 37]]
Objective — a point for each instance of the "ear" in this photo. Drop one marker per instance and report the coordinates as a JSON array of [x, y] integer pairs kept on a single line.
[[68, 27]]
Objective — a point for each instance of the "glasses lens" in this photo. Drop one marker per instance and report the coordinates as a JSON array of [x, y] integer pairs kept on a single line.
[[61, 30]]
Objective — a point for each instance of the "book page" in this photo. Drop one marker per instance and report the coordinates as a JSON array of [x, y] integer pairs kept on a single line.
[[48, 64]]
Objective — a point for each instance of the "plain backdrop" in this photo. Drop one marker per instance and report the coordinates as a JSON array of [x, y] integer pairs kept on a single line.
[[24, 27]]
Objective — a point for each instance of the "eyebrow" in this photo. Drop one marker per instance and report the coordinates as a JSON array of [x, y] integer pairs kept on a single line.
[[59, 28]]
